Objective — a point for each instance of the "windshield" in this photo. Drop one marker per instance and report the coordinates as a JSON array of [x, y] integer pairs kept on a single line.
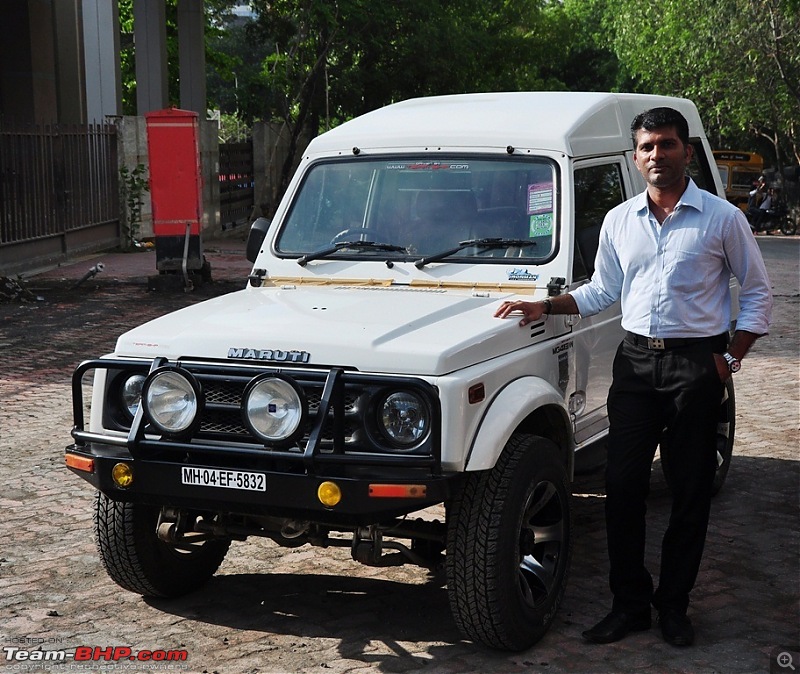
[[414, 207]]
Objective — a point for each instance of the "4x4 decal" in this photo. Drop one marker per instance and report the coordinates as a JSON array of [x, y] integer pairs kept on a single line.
[[521, 274]]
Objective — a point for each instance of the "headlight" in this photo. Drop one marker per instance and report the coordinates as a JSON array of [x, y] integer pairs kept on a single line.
[[404, 419], [274, 408], [172, 400], [131, 393]]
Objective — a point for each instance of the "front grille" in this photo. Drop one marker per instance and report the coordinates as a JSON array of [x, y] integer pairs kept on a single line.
[[222, 415], [347, 431]]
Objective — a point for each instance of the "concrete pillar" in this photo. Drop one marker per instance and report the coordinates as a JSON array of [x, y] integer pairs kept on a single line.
[[16, 83], [192, 56], [70, 84], [42, 55], [150, 35], [101, 55], [209, 167]]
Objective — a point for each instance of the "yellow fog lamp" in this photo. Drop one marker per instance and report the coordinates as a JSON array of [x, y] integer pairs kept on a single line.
[[122, 474], [329, 494]]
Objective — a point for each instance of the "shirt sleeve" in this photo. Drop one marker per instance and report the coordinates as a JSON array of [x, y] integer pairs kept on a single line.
[[747, 265], [605, 286]]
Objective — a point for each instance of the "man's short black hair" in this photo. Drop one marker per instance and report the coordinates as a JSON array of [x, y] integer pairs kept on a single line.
[[656, 118]]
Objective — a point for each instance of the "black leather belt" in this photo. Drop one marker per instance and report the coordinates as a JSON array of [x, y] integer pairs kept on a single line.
[[661, 344]]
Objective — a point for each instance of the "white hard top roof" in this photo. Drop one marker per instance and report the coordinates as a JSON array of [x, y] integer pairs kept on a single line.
[[577, 124]]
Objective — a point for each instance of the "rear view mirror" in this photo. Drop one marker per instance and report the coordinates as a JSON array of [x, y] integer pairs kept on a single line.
[[258, 230]]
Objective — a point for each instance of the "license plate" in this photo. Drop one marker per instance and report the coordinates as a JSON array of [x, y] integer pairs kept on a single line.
[[227, 479]]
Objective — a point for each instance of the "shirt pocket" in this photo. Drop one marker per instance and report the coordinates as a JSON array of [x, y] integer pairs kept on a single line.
[[690, 273]]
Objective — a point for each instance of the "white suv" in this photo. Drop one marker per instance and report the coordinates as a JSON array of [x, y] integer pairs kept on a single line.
[[360, 376]]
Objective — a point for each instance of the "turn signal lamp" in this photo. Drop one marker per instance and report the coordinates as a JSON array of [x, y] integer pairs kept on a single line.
[[329, 494], [77, 462], [397, 490], [476, 394], [122, 474]]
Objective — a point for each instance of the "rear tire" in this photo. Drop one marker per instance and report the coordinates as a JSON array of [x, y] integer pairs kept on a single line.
[[509, 546], [726, 429], [788, 226], [137, 560]]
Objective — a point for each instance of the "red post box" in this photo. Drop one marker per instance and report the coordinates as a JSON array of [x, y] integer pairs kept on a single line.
[[175, 189]]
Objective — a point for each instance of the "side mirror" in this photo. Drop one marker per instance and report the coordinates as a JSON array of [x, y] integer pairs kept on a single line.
[[258, 230]]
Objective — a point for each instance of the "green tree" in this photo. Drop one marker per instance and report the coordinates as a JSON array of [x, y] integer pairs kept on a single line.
[[738, 60], [330, 61], [216, 12]]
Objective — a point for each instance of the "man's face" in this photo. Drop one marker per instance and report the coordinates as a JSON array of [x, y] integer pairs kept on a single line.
[[661, 157]]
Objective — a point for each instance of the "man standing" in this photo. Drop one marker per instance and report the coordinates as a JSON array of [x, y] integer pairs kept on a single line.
[[668, 255]]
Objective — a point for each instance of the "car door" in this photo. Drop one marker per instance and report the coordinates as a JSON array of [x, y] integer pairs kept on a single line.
[[599, 185]]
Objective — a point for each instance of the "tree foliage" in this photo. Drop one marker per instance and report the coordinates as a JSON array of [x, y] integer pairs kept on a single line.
[[332, 60], [738, 60], [216, 12], [312, 64]]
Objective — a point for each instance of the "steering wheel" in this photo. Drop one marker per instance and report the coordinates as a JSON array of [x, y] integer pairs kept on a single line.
[[352, 230]]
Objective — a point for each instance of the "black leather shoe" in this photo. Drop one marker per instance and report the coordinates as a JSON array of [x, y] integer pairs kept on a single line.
[[617, 625], [676, 628]]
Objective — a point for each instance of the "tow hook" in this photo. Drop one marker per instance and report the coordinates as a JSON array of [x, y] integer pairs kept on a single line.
[[369, 545], [172, 528]]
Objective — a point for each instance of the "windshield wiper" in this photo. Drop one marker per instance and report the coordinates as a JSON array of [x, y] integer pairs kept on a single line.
[[486, 243], [357, 245]]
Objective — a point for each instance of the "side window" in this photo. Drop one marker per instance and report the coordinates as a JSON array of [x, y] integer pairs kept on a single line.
[[597, 190], [699, 169]]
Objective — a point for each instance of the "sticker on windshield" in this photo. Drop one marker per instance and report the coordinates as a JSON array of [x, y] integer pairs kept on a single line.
[[541, 225], [540, 198], [427, 166]]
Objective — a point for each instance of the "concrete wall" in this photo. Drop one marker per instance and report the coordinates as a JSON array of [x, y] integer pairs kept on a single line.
[[132, 151]]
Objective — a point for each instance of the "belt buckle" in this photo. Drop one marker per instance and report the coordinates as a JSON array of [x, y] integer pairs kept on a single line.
[[655, 343]]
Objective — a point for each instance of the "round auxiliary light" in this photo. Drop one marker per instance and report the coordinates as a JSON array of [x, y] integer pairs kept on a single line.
[[274, 408], [131, 393], [329, 494], [122, 474], [404, 419], [172, 399]]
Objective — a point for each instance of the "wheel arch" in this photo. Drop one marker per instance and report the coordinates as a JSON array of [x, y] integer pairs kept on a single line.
[[526, 405]]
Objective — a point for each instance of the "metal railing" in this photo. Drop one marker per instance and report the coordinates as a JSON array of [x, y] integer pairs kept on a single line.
[[59, 191]]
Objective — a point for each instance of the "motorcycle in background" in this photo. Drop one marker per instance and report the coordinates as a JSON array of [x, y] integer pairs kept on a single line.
[[775, 217]]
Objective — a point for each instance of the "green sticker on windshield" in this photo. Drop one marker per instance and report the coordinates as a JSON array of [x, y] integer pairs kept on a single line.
[[541, 224]]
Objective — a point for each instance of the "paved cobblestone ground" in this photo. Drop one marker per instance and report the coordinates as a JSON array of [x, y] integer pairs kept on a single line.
[[276, 610]]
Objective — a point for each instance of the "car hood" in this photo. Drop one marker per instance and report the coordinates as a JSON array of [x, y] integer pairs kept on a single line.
[[388, 329]]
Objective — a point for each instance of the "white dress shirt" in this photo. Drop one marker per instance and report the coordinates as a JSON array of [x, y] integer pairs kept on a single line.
[[673, 278]]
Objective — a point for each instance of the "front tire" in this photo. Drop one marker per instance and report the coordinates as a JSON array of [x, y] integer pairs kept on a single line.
[[137, 560], [509, 546], [788, 226]]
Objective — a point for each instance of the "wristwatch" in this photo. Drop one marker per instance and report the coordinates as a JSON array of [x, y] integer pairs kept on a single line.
[[548, 306], [734, 365]]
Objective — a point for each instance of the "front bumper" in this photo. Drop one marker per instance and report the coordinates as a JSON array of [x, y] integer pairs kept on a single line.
[[337, 447], [295, 495]]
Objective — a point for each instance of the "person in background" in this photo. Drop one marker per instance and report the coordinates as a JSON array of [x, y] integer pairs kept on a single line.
[[668, 255], [757, 194], [758, 214]]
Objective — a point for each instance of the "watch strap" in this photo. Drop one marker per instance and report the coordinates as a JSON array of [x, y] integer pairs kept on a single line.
[[733, 363]]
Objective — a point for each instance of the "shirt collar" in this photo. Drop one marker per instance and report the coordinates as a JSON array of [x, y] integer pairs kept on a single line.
[[691, 197]]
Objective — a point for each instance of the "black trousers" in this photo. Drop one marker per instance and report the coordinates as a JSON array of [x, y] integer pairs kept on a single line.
[[673, 393]]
